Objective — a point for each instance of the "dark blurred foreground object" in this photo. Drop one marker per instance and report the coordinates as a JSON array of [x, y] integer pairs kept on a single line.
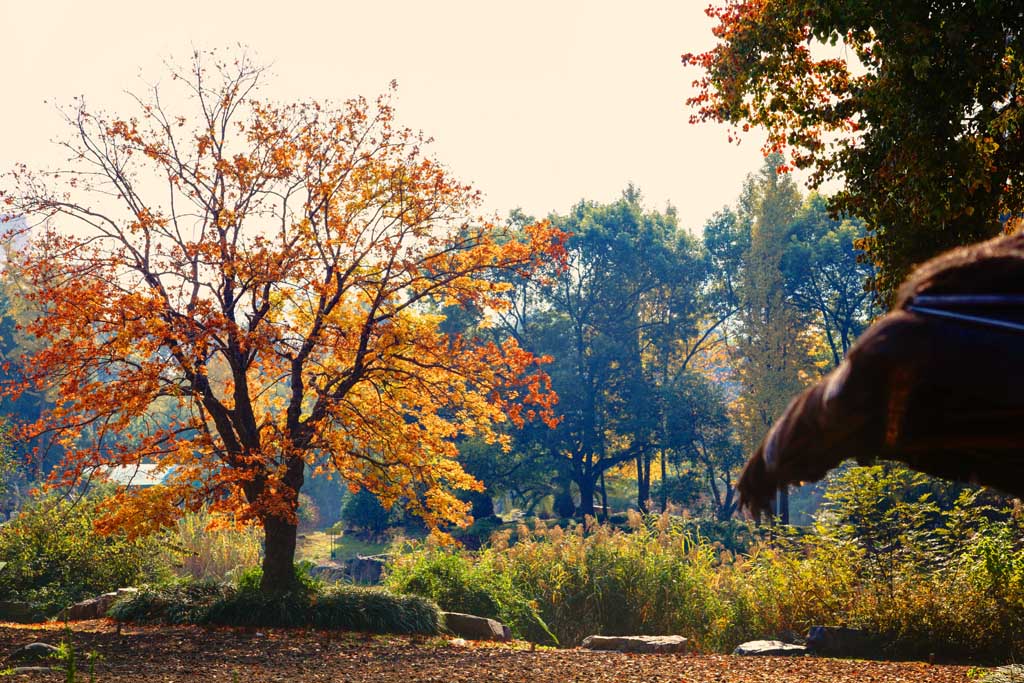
[[938, 384]]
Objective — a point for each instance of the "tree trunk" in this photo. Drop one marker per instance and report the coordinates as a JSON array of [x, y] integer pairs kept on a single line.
[[604, 498], [643, 480], [278, 555], [663, 498], [783, 505], [586, 484], [564, 506]]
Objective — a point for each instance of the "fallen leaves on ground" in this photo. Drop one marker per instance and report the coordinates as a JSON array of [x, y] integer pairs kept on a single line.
[[189, 654]]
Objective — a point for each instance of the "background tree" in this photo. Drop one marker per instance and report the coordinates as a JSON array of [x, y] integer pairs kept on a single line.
[[772, 353], [922, 123], [631, 285], [702, 433], [279, 290], [826, 276]]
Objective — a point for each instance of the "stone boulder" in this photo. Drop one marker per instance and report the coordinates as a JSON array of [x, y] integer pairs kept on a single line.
[[96, 608], [769, 648], [475, 628], [32, 654], [839, 641], [366, 569], [638, 644], [332, 572]]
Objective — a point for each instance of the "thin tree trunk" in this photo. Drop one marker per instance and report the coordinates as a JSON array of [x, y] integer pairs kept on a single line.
[[643, 481], [604, 497], [586, 484], [783, 505], [664, 482]]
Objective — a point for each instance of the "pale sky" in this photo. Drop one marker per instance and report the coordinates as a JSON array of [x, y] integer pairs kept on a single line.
[[537, 104]]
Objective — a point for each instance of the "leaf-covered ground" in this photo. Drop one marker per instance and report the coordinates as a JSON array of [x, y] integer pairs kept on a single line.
[[191, 654]]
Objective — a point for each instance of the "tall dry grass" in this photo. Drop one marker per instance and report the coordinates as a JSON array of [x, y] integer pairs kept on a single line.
[[658, 578], [199, 548]]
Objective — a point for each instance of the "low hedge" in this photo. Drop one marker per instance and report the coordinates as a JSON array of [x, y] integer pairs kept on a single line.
[[347, 608]]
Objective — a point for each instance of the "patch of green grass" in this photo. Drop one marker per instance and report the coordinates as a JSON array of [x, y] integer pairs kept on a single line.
[[315, 547]]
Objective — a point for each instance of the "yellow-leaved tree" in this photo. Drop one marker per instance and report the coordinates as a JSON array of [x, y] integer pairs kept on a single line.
[[272, 273]]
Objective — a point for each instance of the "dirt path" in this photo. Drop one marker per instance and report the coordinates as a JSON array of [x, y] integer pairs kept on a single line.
[[192, 654]]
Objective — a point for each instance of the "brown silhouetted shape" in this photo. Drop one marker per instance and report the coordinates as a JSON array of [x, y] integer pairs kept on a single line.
[[937, 384]]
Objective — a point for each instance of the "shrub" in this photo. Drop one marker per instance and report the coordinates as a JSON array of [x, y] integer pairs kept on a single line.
[[54, 557], [663, 578], [310, 604], [458, 584], [182, 602]]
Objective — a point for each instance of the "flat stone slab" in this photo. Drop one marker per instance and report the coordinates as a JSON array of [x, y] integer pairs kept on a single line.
[[475, 628], [769, 648], [33, 652], [640, 644]]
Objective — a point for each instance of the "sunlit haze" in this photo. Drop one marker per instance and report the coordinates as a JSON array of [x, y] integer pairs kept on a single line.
[[538, 104]]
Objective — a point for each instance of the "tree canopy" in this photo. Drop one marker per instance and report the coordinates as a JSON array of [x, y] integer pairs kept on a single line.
[[919, 114], [268, 276]]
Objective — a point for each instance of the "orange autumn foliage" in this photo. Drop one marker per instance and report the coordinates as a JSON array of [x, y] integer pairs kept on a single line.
[[254, 298]]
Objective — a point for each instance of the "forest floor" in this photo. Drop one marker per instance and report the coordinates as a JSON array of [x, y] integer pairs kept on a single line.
[[193, 654]]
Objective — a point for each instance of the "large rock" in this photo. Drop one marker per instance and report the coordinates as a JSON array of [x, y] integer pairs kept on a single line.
[[769, 648], [86, 609], [332, 572], [366, 569], [839, 641], [96, 608], [641, 644], [475, 628], [33, 653], [19, 612]]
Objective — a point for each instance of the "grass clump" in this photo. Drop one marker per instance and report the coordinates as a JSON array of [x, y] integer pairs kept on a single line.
[[184, 602], [199, 549]]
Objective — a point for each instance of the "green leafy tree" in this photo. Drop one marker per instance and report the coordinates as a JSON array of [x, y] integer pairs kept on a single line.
[[631, 286], [919, 115], [363, 510], [702, 435], [826, 274]]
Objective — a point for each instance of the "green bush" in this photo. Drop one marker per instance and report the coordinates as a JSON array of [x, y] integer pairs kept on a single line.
[[182, 602], [458, 584], [309, 605], [53, 557]]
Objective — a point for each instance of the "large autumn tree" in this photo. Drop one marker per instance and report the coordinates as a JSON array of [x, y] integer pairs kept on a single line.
[[916, 108], [268, 276]]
